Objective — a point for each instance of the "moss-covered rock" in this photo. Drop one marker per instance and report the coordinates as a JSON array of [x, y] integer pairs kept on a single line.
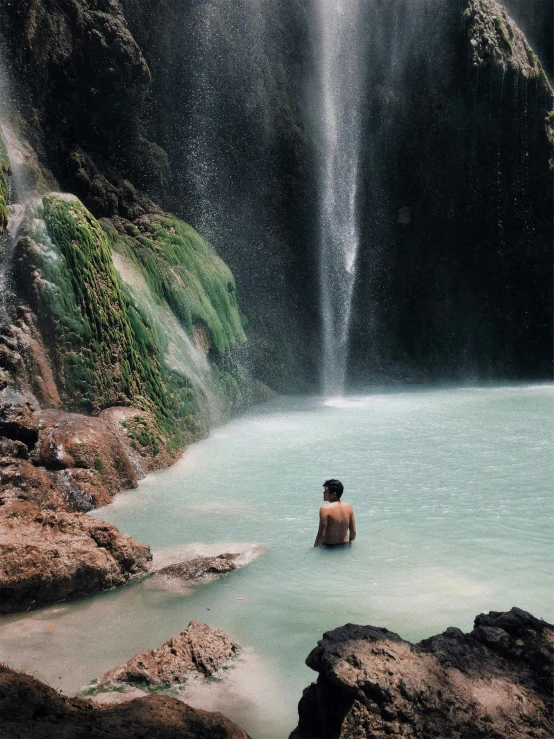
[[494, 36], [145, 345], [183, 269], [187, 295], [100, 354]]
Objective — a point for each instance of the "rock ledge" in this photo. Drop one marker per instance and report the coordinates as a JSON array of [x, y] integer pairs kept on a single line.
[[493, 682]]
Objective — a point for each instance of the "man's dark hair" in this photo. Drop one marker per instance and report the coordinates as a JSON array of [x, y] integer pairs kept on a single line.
[[334, 486]]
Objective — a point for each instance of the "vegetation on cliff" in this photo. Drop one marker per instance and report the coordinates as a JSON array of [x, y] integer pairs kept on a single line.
[[183, 269], [101, 358], [106, 344]]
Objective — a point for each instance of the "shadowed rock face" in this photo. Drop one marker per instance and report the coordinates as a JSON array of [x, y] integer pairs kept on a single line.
[[31, 710], [493, 682]]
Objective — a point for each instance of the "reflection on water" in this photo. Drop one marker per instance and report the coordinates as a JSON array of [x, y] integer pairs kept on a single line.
[[452, 491]]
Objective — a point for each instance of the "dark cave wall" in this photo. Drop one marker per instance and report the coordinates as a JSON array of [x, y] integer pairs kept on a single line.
[[203, 109], [227, 105], [455, 275]]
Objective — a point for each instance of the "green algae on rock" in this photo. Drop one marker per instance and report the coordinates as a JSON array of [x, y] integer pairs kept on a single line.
[[108, 345], [182, 268], [84, 311], [186, 294]]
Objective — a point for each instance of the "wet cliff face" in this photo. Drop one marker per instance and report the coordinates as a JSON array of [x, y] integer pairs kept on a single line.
[[209, 117], [227, 104], [455, 199], [455, 272]]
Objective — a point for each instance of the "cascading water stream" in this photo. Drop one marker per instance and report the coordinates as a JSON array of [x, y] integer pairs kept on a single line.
[[181, 352], [339, 46], [18, 195]]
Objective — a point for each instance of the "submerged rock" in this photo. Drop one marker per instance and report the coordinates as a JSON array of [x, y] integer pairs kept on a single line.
[[31, 710], [495, 681], [198, 650], [201, 564], [201, 569]]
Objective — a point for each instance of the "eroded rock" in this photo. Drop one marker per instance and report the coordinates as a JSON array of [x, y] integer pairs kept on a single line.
[[31, 710], [48, 556], [495, 681], [198, 650], [18, 419], [198, 569], [19, 479], [13, 448], [71, 440], [54, 466]]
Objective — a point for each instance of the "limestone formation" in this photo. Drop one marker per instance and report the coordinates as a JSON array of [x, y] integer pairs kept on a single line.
[[31, 710], [196, 651], [493, 682], [53, 465], [48, 556]]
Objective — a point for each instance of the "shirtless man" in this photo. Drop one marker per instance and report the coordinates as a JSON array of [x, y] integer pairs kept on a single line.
[[337, 524]]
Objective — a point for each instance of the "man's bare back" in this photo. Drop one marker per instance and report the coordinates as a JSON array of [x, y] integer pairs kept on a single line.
[[337, 524]]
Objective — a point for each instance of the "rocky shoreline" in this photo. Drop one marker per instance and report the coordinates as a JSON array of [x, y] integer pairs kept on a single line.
[[31, 710], [494, 682], [55, 466]]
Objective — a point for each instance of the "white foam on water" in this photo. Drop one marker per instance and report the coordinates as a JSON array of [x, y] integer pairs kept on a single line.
[[344, 402], [172, 555], [276, 424], [247, 693]]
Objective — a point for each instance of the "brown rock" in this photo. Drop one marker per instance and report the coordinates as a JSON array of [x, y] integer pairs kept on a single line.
[[200, 568], [68, 440], [20, 479], [12, 448], [48, 556], [31, 710], [196, 650], [494, 682], [40, 377], [82, 489], [140, 434], [18, 420]]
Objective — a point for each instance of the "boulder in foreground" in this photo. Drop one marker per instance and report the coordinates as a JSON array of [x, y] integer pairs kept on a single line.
[[198, 650], [31, 710], [493, 682]]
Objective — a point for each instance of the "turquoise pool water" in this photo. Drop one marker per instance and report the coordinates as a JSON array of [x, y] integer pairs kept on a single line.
[[453, 494]]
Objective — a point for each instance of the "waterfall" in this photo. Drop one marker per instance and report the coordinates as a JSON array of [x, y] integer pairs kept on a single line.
[[338, 49]]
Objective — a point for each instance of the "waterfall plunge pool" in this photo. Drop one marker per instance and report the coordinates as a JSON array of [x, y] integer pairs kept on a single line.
[[452, 491]]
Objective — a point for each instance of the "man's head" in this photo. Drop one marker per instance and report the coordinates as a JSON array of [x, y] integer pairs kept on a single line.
[[334, 488]]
